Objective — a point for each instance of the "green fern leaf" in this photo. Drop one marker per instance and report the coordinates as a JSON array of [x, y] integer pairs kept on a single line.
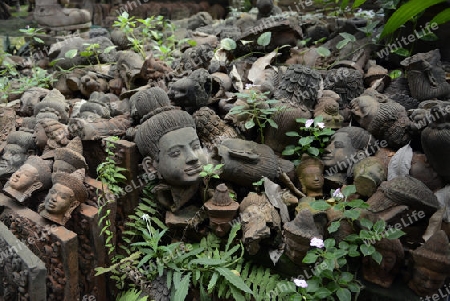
[[234, 279], [208, 261], [169, 278], [407, 11], [183, 288], [212, 282]]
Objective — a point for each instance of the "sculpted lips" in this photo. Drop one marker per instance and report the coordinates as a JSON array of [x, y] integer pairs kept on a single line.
[[191, 171]]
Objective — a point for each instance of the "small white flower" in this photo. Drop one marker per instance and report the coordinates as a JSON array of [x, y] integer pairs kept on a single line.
[[316, 242], [309, 122], [301, 283], [337, 193], [249, 86], [145, 217], [321, 125]]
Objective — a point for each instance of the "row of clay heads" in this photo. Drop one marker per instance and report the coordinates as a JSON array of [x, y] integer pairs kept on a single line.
[[64, 186]]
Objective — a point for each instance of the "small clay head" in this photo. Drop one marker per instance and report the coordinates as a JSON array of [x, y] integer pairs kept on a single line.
[[19, 146], [51, 133], [310, 175], [70, 158]]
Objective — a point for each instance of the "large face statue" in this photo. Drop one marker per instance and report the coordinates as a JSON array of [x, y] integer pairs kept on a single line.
[[13, 157], [339, 149], [179, 156], [24, 177], [426, 282], [59, 199]]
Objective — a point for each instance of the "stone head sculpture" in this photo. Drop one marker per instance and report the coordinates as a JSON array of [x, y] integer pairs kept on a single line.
[[30, 99], [19, 146], [92, 111], [368, 175], [384, 273], [54, 104], [170, 145], [431, 265], [70, 158], [144, 102], [346, 82], [310, 175], [67, 192], [33, 175], [50, 134], [385, 121], [192, 91], [348, 146]]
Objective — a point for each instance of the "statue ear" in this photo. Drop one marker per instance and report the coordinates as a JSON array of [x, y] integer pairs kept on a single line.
[[31, 152], [149, 165], [35, 186]]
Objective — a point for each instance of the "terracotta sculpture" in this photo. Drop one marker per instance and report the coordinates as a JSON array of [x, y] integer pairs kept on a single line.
[[145, 101], [298, 234], [435, 140], [300, 86], [385, 121], [384, 273], [328, 107], [70, 158], [368, 175], [422, 170], [192, 91], [426, 77], [49, 135], [348, 146], [50, 14], [98, 129], [94, 111], [30, 98], [261, 222], [267, 8], [54, 103], [34, 174], [170, 146], [67, 193], [221, 210], [431, 264], [310, 176], [19, 146]]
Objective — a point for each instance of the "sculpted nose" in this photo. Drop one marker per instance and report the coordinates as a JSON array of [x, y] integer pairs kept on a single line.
[[191, 157]]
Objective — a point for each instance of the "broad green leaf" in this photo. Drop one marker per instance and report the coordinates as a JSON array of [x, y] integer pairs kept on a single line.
[[355, 288], [358, 3], [367, 249], [320, 205], [39, 40], [249, 124], [402, 52], [292, 134], [393, 233], [344, 294], [366, 223], [313, 285], [228, 44], [183, 288], [328, 243], [442, 17], [322, 293], [379, 226], [334, 226], [305, 140], [377, 257], [348, 36], [405, 13], [310, 258], [314, 151], [352, 214], [344, 4], [71, 53], [364, 234], [234, 279], [323, 51], [342, 44], [273, 123], [264, 38], [345, 277], [109, 48], [348, 190]]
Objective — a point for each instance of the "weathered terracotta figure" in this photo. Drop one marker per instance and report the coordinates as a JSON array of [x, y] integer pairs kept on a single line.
[[70, 158], [67, 193], [431, 265], [192, 91], [221, 210], [310, 176], [50, 14], [426, 77], [100, 128], [346, 82], [298, 234], [384, 273], [33, 175], [171, 147], [368, 175], [385, 121], [267, 8], [54, 103], [19, 146], [49, 135], [328, 107], [30, 98]]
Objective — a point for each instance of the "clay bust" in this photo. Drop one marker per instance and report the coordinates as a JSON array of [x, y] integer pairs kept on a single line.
[[346, 82], [34, 174], [70, 158], [67, 192], [55, 104], [348, 146], [310, 176], [385, 121], [192, 91], [328, 107], [431, 265], [384, 273], [19, 146], [221, 210], [92, 111], [171, 147], [368, 175], [49, 135]]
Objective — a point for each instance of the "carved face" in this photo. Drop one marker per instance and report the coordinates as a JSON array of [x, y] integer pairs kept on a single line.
[[11, 160], [384, 273], [312, 179], [40, 137], [339, 149], [60, 136], [178, 159], [90, 116], [59, 199], [24, 177], [426, 282], [219, 227]]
